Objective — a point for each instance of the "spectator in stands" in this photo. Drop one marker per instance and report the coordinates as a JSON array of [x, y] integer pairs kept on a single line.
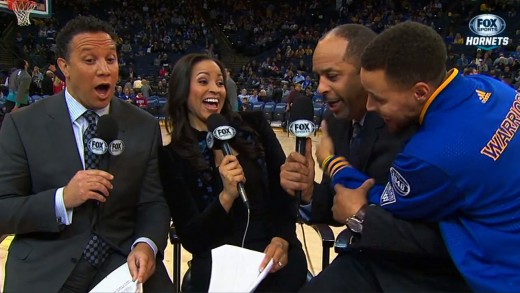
[[57, 85], [302, 67], [200, 182], [19, 83], [277, 92], [47, 83], [162, 88], [164, 71], [262, 96], [137, 84], [285, 92], [253, 98], [232, 91], [296, 92], [309, 93], [141, 101], [145, 88], [37, 78], [298, 78], [462, 61], [385, 245], [127, 95], [119, 92], [470, 71], [309, 51], [57, 72], [243, 95], [307, 83], [459, 40]]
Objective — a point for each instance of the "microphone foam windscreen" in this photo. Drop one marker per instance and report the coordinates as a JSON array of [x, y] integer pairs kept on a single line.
[[302, 109], [107, 128], [216, 120]]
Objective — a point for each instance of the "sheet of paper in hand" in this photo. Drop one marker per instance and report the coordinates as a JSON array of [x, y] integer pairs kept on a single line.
[[118, 281], [236, 269]]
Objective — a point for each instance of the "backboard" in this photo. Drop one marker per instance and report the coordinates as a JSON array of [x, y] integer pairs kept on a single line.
[[43, 8]]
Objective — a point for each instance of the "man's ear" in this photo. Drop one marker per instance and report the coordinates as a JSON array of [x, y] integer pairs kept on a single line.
[[64, 67], [421, 91]]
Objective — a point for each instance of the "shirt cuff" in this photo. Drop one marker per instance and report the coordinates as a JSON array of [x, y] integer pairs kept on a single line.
[[63, 216], [147, 241]]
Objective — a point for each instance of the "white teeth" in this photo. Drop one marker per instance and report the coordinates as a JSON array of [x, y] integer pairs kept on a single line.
[[211, 100]]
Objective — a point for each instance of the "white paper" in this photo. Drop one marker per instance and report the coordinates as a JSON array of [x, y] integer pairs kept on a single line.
[[236, 269], [120, 280]]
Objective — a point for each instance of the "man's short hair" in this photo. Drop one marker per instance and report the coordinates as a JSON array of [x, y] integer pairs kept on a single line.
[[409, 53], [358, 37], [79, 25]]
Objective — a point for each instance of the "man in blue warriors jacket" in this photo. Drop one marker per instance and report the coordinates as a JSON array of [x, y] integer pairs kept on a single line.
[[460, 169]]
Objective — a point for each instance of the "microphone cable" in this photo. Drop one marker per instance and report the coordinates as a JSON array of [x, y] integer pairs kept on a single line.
[[247, 226]]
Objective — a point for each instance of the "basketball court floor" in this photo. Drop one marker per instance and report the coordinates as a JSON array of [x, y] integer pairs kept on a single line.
[[313, 241]]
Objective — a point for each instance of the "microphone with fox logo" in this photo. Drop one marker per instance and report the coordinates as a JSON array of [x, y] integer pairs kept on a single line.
[[301, 125], [106, 131], [105, 142], [223, 132]]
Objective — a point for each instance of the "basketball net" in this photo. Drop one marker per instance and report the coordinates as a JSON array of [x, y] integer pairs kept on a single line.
[[22, 10]]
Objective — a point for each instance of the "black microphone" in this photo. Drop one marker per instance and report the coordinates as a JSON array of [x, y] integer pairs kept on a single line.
[[106, 134], [301, 125], [106, 131], [223, 132]]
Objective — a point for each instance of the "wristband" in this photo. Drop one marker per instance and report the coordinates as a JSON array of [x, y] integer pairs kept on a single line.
[[326, 161]]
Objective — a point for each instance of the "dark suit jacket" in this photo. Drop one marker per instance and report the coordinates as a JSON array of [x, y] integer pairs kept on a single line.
[[379, 149], [39, 155]]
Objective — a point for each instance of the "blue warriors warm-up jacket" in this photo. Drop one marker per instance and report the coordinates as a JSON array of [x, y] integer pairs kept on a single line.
[[461, 169]]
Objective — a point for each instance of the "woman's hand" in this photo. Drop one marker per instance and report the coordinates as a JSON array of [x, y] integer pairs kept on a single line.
[[277, 250], [231, 173]]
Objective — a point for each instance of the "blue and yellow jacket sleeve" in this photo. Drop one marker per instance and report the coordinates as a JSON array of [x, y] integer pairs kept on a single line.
[[415, 188]]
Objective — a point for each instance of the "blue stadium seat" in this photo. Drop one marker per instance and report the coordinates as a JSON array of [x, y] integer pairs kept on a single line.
[[161, 108], [279, 113], [268, 110], [153, 105], [258, 106]]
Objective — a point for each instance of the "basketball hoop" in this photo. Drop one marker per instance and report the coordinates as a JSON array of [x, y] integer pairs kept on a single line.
[[22, 10]]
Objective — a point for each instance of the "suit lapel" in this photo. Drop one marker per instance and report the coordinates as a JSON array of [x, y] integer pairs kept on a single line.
[[340, 131], [371, 128], [118, 114], [61, 134]]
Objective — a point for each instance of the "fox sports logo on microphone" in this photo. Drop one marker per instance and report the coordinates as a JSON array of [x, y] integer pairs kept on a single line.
[[224, 132], [116, 147], [97, 146], [487, 27], [301, 128]]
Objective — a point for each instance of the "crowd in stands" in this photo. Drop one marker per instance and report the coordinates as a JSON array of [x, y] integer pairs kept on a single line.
[[278, 37], [290, 60]]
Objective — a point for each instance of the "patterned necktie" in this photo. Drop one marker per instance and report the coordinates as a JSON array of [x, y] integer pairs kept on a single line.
[[91, 159], [355, 143], [97, 250]]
